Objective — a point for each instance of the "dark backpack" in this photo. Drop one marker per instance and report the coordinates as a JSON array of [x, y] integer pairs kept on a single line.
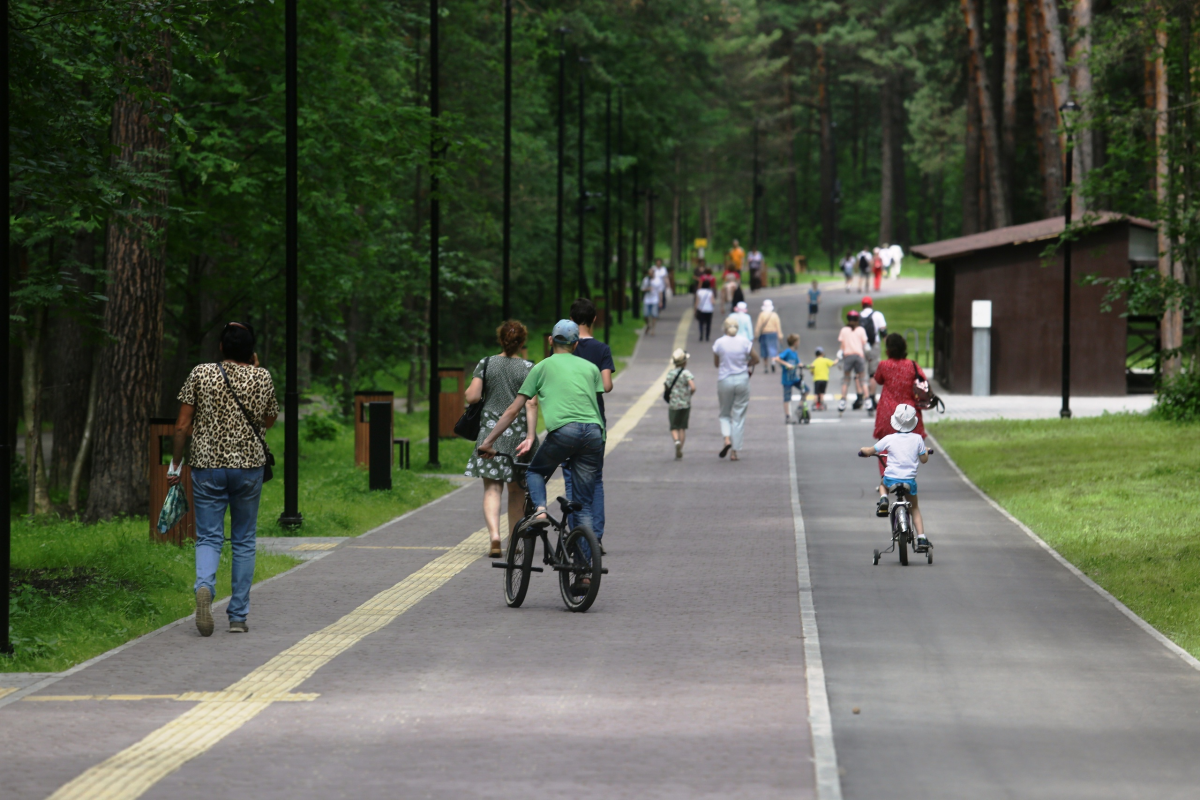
[[868, 324], [864, 263]]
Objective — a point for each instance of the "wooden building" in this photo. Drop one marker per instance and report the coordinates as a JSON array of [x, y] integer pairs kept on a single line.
[[1006, 266]]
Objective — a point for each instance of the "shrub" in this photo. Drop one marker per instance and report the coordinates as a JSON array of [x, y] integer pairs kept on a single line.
[[1179, 397], [320, 427]]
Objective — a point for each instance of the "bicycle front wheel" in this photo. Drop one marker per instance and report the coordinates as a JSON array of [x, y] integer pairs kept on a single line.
[[579, 581], [516, 574]]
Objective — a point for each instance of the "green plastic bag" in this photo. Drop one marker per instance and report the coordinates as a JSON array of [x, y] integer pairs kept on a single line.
[[174, 508]]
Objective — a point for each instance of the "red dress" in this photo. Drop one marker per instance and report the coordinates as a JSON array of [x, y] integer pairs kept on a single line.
[[895, 378]]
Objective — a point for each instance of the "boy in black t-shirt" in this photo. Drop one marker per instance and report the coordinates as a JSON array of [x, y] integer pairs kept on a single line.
[[583, 314]]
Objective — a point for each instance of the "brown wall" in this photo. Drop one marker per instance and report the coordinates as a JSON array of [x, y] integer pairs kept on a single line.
[[1026, 295]]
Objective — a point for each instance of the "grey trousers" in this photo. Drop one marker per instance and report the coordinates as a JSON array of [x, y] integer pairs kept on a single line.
[[734, 394]]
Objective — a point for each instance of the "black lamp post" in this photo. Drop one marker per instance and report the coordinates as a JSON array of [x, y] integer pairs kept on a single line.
[[635, 273], [620, 206], [1068, 110], [607, 213], [435, 224], [5, 455], [507, 223], [562, 133], [291, 516]]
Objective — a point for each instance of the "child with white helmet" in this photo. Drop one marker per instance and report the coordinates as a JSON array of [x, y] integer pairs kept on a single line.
[[904, 452]]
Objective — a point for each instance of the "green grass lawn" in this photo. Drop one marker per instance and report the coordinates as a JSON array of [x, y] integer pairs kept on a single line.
[[905, 313], [1115, 495], [78, 590]]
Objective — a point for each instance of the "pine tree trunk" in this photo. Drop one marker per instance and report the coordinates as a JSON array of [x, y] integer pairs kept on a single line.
[[1171, 329], [130, 365], [971, 221], [828, 163], [1008, 116], [1081, 82], [1044, 115], [31, 391], [789, 136], [676, 203], [1056, 77], [899, 177], [70, 368], [1000, 216], [887, 170]]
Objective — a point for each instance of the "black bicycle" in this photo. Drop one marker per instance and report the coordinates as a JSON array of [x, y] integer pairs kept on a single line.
[[575, 555], [903, 532]]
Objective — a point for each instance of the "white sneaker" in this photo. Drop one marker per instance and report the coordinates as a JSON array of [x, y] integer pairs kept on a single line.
[[841, 405], [678, 449]]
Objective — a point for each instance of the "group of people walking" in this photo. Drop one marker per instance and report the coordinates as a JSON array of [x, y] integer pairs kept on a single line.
[[872, 266]]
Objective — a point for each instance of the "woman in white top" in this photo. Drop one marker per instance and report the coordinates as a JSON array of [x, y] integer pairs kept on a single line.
[[734, 358], [704, 311]]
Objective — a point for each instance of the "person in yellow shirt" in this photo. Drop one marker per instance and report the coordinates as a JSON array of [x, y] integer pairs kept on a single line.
[[820, 370], [737, 255]]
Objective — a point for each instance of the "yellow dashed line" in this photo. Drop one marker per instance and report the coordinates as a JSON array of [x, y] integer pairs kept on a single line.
[[5, 691], [134, 770], [315, 546], [186, 697], [394, 547]]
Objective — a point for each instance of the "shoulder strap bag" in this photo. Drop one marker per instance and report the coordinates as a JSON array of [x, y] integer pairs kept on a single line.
[[923, 395], [667, 393], [471, 421], [268, 472]]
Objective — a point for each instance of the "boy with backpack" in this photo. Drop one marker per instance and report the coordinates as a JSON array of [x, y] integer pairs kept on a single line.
[[875, 327]]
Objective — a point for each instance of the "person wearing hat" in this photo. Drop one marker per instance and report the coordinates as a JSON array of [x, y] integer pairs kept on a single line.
[[744, 323], [734, 357], [875, 326], [566, 389], [767, 330], [903, 453], [853, 341], [680, 385]]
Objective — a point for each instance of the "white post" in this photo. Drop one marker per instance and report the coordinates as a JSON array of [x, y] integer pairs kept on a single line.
[[981, 356]]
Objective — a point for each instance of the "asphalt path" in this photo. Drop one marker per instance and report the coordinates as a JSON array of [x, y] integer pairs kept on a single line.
[[993, 673]]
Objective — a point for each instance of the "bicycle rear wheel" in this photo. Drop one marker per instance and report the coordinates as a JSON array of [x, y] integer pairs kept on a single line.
[[516, 575], [580, 583]]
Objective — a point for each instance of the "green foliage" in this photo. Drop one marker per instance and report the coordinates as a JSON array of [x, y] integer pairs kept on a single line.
[[320, 428], [1179, 397], [1137, 535]]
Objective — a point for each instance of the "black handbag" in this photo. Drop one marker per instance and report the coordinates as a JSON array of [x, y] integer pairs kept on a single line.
[[471, 421], [268, 473]]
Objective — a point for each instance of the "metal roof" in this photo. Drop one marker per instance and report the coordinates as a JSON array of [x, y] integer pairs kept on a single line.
[[1015, 234]]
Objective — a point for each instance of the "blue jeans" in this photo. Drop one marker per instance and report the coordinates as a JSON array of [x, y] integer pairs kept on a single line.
[[597, 507], [581, 446], [239, 490]]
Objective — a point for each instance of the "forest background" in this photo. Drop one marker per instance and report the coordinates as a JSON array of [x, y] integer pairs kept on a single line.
[[147, 170]]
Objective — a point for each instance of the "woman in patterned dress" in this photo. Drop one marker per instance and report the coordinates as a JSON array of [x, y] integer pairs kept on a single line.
[[505, 374], [895, 377]]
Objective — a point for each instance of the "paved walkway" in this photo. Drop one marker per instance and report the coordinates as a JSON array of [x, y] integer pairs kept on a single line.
[[390, 667]]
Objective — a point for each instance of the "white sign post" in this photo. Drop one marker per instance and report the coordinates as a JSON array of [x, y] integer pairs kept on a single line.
[[981, 355]]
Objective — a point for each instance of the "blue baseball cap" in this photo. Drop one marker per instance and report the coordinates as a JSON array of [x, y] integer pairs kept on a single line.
[[565, 332]]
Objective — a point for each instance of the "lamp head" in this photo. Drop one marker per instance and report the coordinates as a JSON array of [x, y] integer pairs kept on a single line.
[[1069, 107]]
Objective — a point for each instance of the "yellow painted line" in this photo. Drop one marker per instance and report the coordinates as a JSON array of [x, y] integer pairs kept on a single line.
[[395, 547], [5, 691], [316, 546], [131, 772], [186, 697]]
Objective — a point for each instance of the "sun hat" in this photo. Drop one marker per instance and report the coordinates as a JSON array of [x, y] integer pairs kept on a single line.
[[741, 307], [768, 306], [904, 419], [565, 332], [679, 357], [866, 301]]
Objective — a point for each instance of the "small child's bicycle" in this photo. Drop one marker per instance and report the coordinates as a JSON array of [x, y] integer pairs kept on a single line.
[[903, 533], [802, 415], [575, 556]]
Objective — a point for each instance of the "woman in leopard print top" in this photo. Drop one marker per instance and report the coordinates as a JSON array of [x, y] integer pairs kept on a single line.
[[227, 457]]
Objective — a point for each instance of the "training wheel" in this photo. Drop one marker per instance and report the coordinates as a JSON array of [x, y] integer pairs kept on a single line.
[[875, 559], [929, 556]]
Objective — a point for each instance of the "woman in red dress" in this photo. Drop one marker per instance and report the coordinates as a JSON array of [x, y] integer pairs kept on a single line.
[[895, 377]]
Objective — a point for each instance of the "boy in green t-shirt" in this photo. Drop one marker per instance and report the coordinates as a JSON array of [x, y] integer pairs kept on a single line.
[[566, 388]]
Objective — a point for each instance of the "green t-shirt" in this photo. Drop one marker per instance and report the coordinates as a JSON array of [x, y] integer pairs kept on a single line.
[[566, 388]]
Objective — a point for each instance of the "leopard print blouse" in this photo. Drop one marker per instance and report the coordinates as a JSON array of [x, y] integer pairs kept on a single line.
[[221, 437]]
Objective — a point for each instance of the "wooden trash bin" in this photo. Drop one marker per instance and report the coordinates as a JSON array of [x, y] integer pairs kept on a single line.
[[161, 431], [451, 404], [362, 425]]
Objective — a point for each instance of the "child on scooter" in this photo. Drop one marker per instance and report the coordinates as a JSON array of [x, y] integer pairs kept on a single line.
[[904, 452]]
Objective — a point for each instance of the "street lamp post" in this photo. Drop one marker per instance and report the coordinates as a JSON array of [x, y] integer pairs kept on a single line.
[[435, 222], [1068, 110], [562, 102], [507, 234], [607, 213], [5, 455], [634, 260], [291, 516], [620, 206]]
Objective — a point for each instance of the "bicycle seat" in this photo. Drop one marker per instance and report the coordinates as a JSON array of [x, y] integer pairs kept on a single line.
[[569, 506]]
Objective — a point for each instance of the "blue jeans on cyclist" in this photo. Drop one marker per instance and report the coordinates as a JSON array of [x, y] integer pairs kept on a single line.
[[597, 505], [579, 444]]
